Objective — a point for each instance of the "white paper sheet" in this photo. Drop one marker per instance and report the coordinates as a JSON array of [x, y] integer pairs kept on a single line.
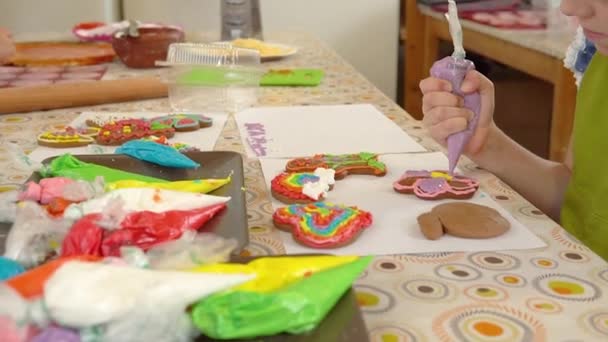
[[285, 132], [204, 138], [395, 229]]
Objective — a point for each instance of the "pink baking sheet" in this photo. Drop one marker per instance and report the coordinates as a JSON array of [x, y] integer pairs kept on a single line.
[[11, 76]]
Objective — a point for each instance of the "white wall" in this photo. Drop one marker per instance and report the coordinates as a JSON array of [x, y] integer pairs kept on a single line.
[[27, 16], [364, 32]]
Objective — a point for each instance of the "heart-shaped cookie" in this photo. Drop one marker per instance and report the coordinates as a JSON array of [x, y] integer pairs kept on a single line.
[[322, 225]]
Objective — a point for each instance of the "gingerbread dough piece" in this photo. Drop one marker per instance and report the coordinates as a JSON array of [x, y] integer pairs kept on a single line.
[[363, 163], [465, 220]]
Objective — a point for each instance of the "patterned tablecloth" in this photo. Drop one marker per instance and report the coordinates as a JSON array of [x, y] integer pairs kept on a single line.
[[558, 293]]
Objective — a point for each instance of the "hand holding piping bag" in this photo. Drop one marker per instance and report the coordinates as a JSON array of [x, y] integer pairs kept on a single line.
[[453, 69]]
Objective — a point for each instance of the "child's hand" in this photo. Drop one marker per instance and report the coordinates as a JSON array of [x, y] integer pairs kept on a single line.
[[7, 47], [444, 113]]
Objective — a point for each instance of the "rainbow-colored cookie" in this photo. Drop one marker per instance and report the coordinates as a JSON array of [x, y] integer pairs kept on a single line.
[[435, 185], [322, 225], [302, 187], [185, 122], [344, 164]]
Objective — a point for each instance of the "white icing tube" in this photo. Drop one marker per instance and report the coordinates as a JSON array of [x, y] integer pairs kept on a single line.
[[144, 199], [83, 294]]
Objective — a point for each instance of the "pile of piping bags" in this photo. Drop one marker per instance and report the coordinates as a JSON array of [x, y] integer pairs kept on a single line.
[[289, 294], [136, 217], [106, 300]]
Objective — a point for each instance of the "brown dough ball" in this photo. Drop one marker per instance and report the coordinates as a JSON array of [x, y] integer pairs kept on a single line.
[[430, 226]]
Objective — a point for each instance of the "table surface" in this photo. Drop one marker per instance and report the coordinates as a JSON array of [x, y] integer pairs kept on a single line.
[[557, 293], [552, 43]]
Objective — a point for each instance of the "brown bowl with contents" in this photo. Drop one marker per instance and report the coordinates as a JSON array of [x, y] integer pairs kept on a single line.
[[150, 45]]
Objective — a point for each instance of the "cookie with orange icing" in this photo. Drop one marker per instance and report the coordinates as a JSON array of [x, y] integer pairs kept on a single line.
[[185, 122], [302, 187], [344, 164], [436, 185], [121, 131], [322, 225]]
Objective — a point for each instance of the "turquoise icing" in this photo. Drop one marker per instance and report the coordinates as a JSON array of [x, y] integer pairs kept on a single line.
[[157, 153]]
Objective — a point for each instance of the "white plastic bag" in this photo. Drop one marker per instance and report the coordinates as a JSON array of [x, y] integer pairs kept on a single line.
[[35, 236], [190, 250], [127, 299]]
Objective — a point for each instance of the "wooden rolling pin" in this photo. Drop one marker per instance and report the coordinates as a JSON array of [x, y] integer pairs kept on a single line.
[[33, 98]]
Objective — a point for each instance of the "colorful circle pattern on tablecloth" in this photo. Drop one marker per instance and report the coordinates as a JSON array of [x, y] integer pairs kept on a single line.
[[575, 257], [457, 272], [488, 323], [391, 333], [387, 265], [484, 292], [494, 261], [373, 300], [431, 258], [564, 238], [428, 290], [567, 287], [543, 305], [511, 280], [596, 322], [544, 263]]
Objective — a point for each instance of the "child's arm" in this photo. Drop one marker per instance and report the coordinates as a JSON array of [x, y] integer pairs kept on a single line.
[[540, 181]]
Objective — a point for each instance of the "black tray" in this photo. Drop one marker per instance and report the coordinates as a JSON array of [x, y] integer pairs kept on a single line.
[[229, 223]]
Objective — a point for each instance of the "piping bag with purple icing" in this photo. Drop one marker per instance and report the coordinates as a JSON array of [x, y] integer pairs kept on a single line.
[[454, 69]]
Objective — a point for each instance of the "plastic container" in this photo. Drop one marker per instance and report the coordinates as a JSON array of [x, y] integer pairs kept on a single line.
[[212, 77]]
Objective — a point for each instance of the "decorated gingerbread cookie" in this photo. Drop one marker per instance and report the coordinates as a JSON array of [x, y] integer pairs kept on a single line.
[[302, 187], [185, 122], [461, 219], [344, 164], [64, 139], [119, 132], [435, 185], [102, 120], [322, 225]]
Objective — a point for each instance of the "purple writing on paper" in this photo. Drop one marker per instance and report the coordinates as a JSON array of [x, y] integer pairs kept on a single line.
[[256, 138]]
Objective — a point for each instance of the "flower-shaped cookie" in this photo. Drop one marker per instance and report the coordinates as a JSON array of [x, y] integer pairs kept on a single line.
[[322, 225], [434, 185]]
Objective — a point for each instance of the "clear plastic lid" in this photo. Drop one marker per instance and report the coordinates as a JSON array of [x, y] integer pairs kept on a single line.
[[218, 54]]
